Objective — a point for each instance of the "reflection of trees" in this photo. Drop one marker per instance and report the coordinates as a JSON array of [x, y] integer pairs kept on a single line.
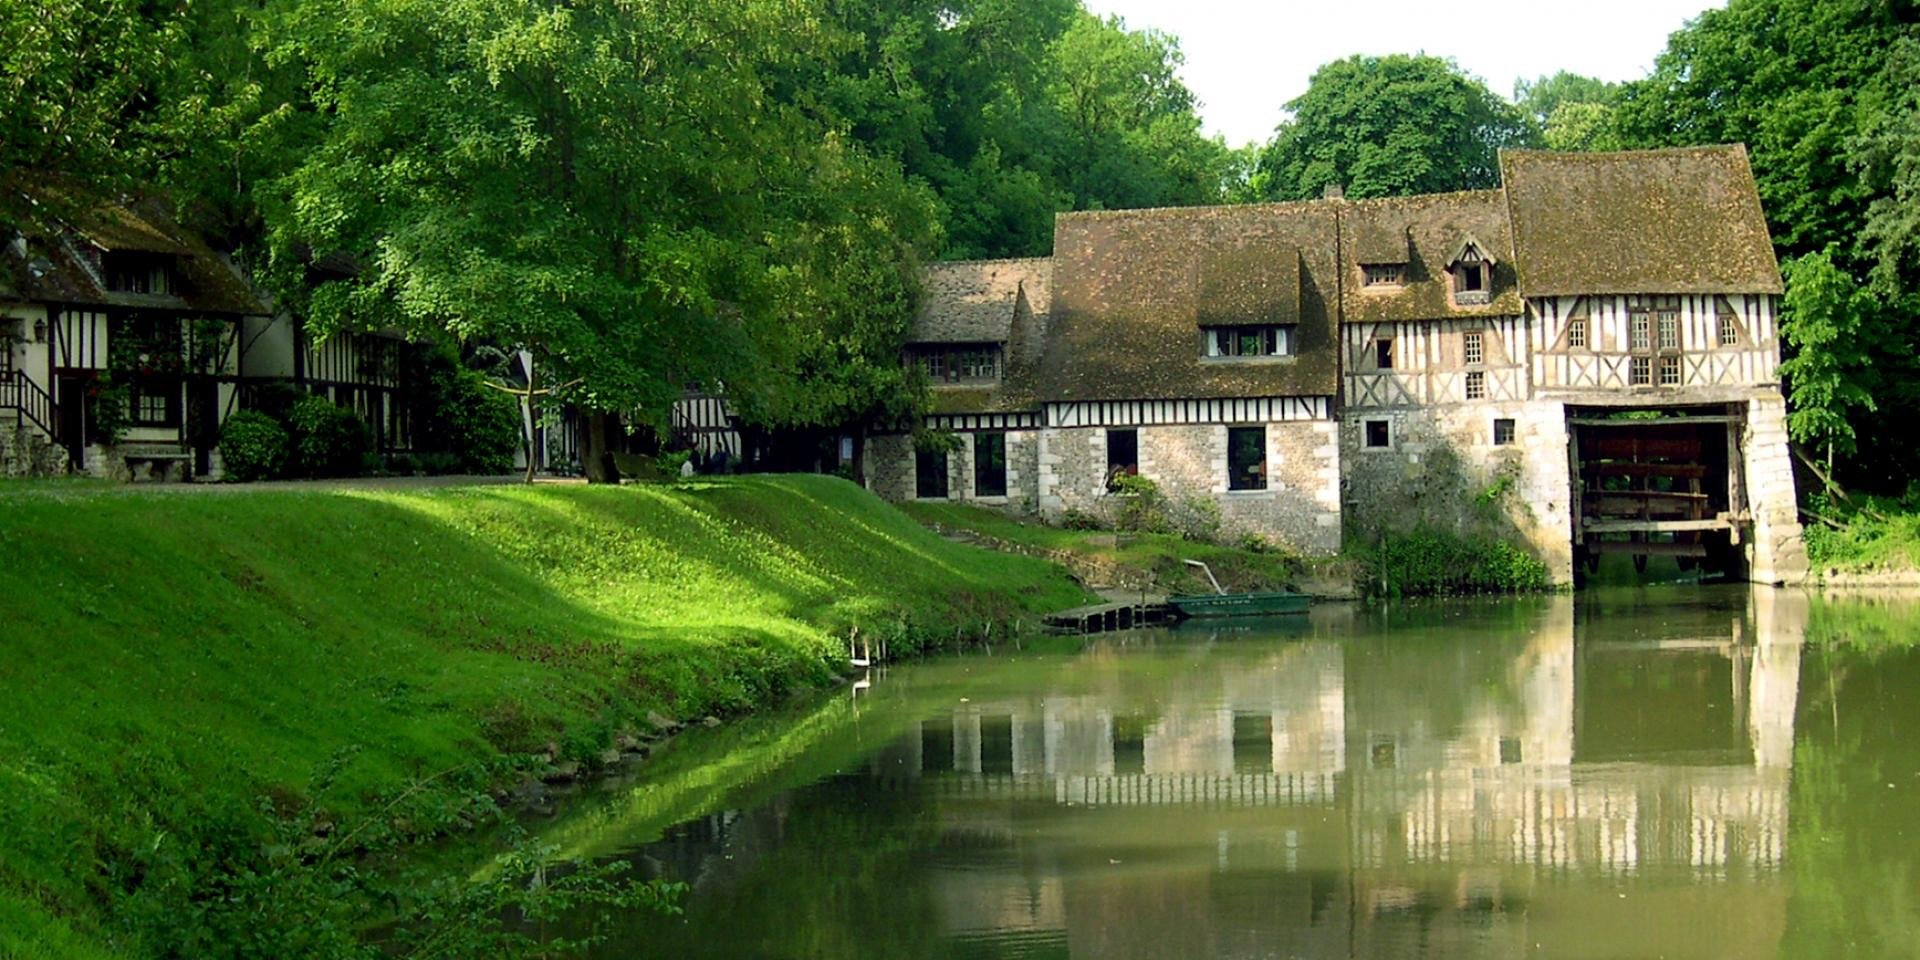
[[1853, 858]]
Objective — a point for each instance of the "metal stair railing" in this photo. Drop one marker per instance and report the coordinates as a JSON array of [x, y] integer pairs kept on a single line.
[[27, 400]]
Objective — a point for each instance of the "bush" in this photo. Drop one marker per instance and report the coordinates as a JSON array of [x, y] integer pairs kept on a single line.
[[1143, 508], [1429, 562], [1197, 519], [326, 440], [253, 446], [1077, 519]]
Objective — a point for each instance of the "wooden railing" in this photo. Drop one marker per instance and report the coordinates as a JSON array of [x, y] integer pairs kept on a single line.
[[29, 403]]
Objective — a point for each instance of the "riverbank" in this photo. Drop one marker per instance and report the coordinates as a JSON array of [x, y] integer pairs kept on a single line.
[[181, 673], [1151, 563], [1866, 542]]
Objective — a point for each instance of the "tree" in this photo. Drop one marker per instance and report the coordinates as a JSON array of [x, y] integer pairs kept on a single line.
[[1539, 98], [615, 187], [1822, 94], [1390, 126], [80, 91], [1829, 320]]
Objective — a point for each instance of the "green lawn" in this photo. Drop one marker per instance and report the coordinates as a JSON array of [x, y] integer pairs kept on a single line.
[[172, 661], [1162, 556]]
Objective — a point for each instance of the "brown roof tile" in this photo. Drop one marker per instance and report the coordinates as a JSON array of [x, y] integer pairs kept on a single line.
[[1436, 226], [1655, 221], [973, 301], [1131, 290]]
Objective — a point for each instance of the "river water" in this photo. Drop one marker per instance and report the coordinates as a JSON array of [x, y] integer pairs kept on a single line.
[[1680, 772]]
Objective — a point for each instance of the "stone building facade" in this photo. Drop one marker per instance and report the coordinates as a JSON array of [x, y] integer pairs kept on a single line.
[[1583, 361]]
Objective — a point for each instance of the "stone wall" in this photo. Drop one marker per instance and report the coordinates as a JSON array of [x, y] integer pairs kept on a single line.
[[26, 452], [1443, 470], [1300, 508], [1777, 553], [891, 474]]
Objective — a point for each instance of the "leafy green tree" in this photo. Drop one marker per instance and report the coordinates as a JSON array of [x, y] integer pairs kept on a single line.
[[617, 187], [1822, 94], [1580, 126], [1829, 320], [80, 91], [1391, 126], [1540, 97]]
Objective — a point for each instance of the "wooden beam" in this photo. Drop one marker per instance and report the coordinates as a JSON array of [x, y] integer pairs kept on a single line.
[[1662, 422], [1661, 526], [1648, 549]]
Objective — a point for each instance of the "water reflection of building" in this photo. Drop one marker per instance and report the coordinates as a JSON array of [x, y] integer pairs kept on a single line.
[[1451, 780]]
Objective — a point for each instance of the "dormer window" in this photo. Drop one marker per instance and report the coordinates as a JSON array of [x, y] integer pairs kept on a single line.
[[1269, 340], [1471, 267], [1381, 275], [959, 363], [139, 273]]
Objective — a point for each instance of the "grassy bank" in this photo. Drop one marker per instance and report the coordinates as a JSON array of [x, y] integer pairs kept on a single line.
[[1864, 537], [1133, 560], [181, 670]]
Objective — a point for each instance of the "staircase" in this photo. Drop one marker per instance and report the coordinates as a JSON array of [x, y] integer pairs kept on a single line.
[[27, 447]]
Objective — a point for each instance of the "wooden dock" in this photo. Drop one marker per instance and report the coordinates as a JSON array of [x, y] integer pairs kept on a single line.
[[1104, 617]]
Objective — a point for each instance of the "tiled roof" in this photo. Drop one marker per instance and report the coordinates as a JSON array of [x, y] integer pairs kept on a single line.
[[57, 270], [974, 301], [1652, 221], [1131, 290], [1436, 226]]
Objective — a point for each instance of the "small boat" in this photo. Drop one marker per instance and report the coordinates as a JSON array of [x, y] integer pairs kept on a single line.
[[1224, 604]]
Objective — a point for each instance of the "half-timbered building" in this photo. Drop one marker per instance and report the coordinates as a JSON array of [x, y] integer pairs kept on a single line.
[[1584, 360], [114, 303]]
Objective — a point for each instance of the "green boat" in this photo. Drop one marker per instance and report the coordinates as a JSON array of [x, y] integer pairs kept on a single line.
[[1241, 604], [1224, 604]]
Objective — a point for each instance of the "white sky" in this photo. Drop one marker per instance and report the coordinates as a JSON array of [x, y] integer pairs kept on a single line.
[[1246, 58]]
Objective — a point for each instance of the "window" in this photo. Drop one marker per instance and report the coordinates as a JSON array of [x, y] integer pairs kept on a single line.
[[1379, 434], [967, 363], [1577, 332], [1472, 278], [1475, 347], [137, 273], [154, 403], [1123, 455], [989, 464], [1729, 332], [1476, 385], [1669, 330], [1669, 371], [1510, 752], [1641, 332], [930, 474], [1470, 282], [1503, 433], [1260, 341], [1384, 274], [1640, 372], [1246, 458], [1383, 354]]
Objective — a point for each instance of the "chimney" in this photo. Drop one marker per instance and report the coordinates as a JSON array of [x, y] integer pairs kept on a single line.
[[1333, 191]]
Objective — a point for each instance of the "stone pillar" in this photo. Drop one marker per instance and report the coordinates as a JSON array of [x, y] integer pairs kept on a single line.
[[1776, 553]]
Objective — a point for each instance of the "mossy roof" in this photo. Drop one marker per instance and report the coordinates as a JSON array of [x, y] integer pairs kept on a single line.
[[207, 283], [1131, 290], [1433, 228], [1652, 221], [974, 301]]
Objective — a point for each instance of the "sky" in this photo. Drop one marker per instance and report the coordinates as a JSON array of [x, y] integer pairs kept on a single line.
[[1247, 58]]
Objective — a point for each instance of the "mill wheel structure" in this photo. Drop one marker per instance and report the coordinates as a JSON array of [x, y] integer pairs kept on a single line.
[[1658, 483]]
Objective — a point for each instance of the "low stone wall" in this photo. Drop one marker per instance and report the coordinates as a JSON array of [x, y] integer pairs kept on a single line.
[[1443, 470], [25, 452]]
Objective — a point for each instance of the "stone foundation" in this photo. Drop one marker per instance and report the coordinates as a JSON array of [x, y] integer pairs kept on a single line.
[[26, 452], [1777, 552], [1442, 470]]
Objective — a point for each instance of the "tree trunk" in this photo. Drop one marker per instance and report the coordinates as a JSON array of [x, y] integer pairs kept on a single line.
[[530, 423], [596, 447], [860, 454]]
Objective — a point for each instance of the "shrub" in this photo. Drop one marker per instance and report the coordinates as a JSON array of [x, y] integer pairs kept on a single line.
[[326, 440], [1143, 508], [1433, 562], [1077, 519], [253, 446]]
